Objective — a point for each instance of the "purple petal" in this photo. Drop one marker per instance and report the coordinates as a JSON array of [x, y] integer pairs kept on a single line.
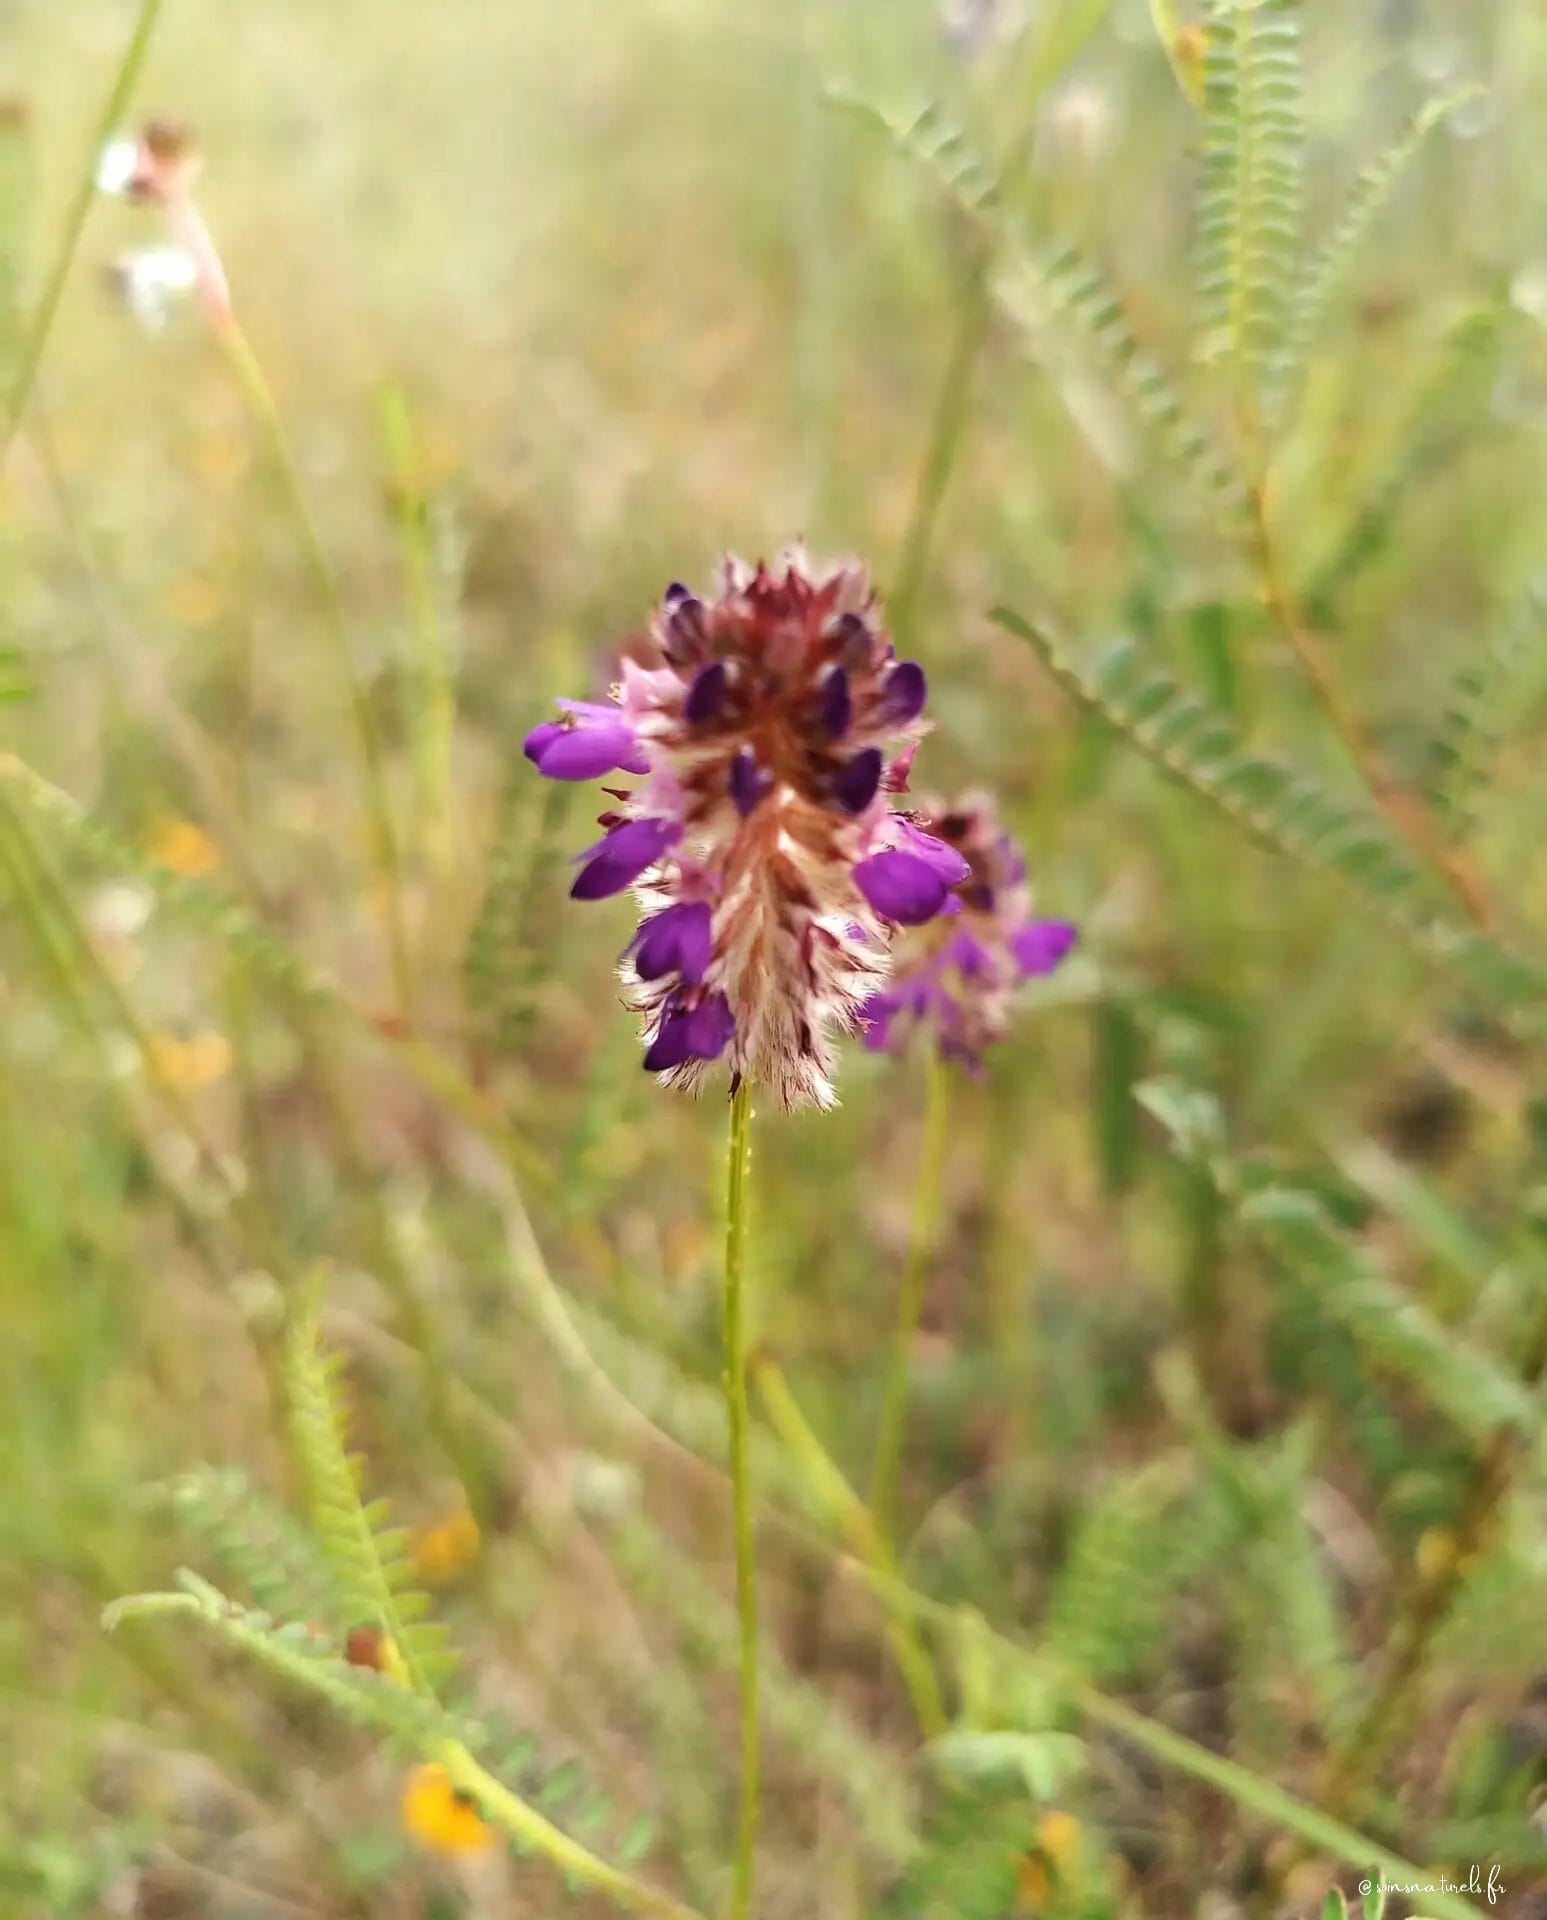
[[683, 638], [669, 1048], [904, 694], [618, 860], [747, 781], [540, 739], [856, 784], [901, 887], [936, 854], [674, 593], [581, 753], [1041, 944], [706, 694], [710, 1027], [837, 706], [969, 955], [875, 1019], [679, 939]]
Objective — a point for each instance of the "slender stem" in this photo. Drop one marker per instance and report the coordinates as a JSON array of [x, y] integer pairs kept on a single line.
[[857, 1523], [741, 1489], [113, 110], [249, 376], [1403, 808], [910, 1297], [526, 1825], [948, 422]]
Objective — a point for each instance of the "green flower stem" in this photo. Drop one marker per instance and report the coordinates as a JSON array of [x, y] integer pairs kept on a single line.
[[113, 110], [250, 378], [741, 1491], [856, 1522], [527, 1826], [910, 1298]]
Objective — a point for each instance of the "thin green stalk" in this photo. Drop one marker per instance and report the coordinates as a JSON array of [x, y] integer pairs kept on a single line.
[[527, 1826], [434, 718], [249, 376], [857, 1523], [113, 110], [910, 1297], [1046, 54], [741, 1489]]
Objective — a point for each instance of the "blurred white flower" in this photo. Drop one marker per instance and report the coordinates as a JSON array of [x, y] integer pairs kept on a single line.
[[117, 167], [118, 910], [1079, 123], [151, 280]]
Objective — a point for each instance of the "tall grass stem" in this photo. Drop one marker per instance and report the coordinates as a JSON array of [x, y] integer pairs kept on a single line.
[[736, 1186]]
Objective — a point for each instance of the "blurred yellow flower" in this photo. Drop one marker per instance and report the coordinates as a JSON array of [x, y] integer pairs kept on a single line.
[[193, 599], [1052, 1861], [184, 848], [446, 1548], [191, 1064], [440, 1816]]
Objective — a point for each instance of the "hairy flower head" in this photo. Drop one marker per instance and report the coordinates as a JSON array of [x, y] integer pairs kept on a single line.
[[767, 728]]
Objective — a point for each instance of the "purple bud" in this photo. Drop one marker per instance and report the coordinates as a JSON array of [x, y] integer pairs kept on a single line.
[[941, 859], [683, 638], [837, 706], [539, 740], [679, 939], [617, 861], [874, 1021], [669, 1048], [855, 785], [584, 752], [856, 641], [706, 694], [711, 1026], [748, 782], [901, 887], [700, 1033], [904, 692], [1041, 944]]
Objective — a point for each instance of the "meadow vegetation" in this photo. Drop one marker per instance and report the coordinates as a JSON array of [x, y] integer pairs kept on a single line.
[[1179, 373]]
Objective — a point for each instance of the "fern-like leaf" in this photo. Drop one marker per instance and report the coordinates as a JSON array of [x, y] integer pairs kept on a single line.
[[1288, 812], [369, 1559], [296, 1653], [1035, 285], [257, 1542], [500, 965], [1249, 200], [1477, 709], [1396, 1333], [1371, 193]]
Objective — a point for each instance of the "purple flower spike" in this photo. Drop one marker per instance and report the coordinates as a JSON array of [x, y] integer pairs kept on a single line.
[[857, 783], [679, 939], [706, 695], [901, 887], [748, 782], [1041, 944], [618, 860], [837, 705], [904, 694]]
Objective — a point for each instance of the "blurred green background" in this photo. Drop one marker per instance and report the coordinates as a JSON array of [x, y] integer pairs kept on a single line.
[[557, 304]]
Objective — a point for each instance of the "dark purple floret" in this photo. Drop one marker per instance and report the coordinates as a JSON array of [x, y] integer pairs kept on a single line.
[[679, 939], [901, 887], [1041, 944], [706, 694], [856, 641], [683, 636], [837, 705], [903, 696], [748, 783], [617, 860], [856, 784], [690, 1033]]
